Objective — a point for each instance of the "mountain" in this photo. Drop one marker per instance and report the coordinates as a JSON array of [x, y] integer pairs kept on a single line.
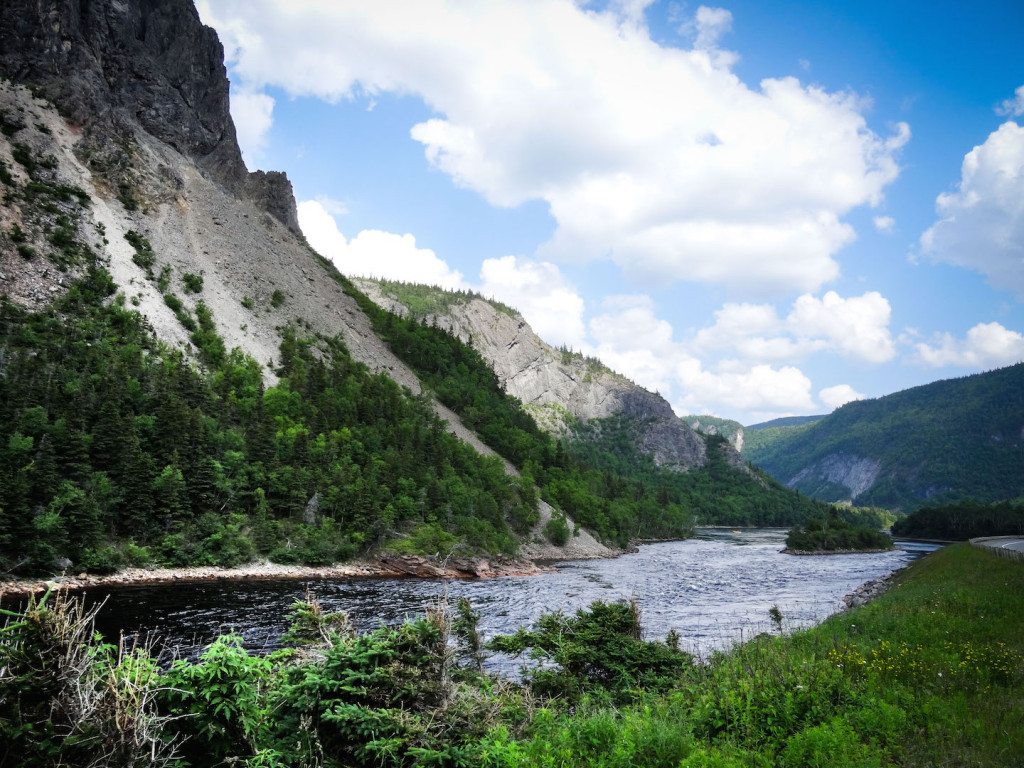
[[556, 386], [947, 441], [183, 380]]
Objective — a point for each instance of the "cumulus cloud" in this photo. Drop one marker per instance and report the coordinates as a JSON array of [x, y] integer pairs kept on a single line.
[[981, 224], [629, 337], [373, 253], [1012, 107], [840, 394], [986, 345], [884, 223], [253, 115], [856, 327], [660, 159], [538, 290]]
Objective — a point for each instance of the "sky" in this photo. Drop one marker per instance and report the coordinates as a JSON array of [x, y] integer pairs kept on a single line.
[[756, 209]]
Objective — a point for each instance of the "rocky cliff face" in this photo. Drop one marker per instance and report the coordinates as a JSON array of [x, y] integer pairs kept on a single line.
[[555, 385], [108, 64]]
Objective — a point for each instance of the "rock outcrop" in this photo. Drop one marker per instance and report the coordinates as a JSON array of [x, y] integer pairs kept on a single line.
[[558, 386], [855, 473], [107, 64]]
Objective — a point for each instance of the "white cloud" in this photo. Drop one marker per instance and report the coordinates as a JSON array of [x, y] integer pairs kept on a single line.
[[986, 345], [711, 25], [373, 253], [630, 338], [1012, 107], [657, 158], [253, 115], [884, 223], [840, 394], [856, 327], [981, 224], [539, 291]]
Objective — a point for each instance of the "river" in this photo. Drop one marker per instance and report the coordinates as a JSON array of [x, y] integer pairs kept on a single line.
[[714, 590]]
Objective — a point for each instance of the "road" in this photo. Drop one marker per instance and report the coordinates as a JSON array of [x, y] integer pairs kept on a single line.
[[1010, 546]]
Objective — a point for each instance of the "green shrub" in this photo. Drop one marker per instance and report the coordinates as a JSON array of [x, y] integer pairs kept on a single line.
[[276, 298], [102, 559], [557, 530], [193, 283], [830, 745]]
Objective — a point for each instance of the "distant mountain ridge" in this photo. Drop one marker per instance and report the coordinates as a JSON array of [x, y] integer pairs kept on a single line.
[[946, 441]]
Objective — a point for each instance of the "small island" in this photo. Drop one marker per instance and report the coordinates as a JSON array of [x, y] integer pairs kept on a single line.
[[834, 535]]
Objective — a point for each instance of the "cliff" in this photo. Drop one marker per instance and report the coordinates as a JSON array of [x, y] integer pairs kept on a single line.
[[108, 64], [556, 386]]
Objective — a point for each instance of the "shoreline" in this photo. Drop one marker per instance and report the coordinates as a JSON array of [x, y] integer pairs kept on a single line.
[[806, 552], [381, 567], [869, 590]]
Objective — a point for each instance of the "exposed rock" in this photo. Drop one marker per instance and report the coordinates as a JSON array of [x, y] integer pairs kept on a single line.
[[856, 473], [869, 590], [558, 386], [272, 192], [151, 62]]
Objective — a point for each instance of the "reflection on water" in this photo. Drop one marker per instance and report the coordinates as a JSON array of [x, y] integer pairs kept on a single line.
[[714, 590]]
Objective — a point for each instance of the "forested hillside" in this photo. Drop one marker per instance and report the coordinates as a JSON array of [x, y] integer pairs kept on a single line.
[[946, 441]]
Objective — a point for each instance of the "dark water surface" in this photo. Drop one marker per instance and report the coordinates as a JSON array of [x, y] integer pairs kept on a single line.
[[714, 590]]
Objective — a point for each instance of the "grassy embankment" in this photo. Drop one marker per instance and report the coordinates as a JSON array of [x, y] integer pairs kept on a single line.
[[929, 674]]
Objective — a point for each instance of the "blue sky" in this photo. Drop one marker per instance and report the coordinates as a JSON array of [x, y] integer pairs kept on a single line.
[[733, 204]]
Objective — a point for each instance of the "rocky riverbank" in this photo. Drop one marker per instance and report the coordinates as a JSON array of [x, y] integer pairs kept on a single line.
[[383, 566], [869, 590]]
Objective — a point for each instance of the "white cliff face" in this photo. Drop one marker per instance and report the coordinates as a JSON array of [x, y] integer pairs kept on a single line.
[[558, 387], [856, 473]]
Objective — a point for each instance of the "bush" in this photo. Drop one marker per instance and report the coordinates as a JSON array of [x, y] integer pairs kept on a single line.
[[193, 283], [830, 745], [557, 530], [276, 298], [598, 650]]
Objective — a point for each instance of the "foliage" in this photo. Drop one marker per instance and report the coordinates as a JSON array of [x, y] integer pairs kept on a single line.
[[930, 673], [966, 520], [193, 283], [423, 301], [109, 437], [556, 530], [833, 533], [596, 651], [941, 443]]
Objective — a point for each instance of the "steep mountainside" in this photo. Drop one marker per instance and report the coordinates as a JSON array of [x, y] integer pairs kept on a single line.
[[557, 387], [945, 441]]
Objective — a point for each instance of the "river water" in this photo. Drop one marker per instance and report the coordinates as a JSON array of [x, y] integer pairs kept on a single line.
[[714, 590]]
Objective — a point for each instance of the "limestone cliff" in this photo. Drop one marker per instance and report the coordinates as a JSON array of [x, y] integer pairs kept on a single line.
[[556, 386]]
